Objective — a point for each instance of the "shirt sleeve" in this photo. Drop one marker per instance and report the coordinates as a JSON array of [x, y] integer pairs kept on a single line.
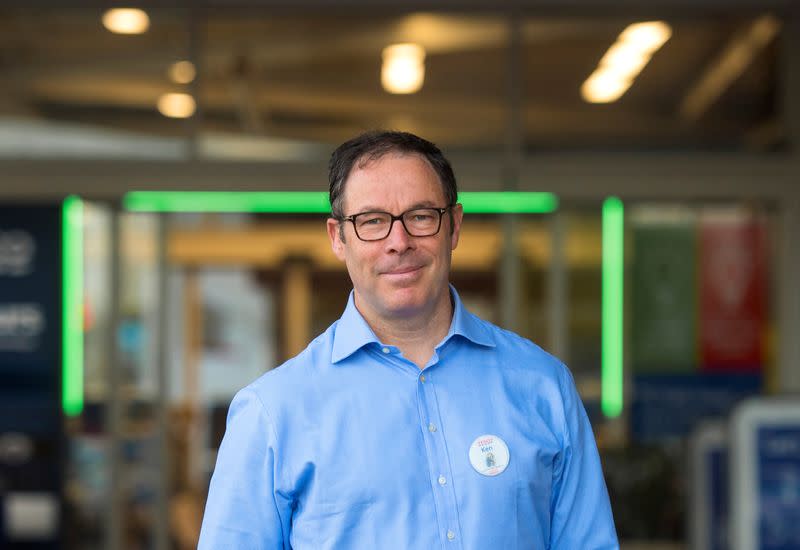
[[580, 509], [243, 510]]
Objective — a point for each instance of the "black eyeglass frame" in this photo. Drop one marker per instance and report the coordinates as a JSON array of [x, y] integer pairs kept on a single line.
[[440, 211]]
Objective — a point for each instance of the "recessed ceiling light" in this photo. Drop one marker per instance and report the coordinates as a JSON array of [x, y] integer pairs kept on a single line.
[[126, 20], [403, 70], [176, 105], [182, 72]]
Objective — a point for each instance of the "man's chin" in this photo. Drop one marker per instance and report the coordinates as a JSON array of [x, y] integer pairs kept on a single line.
[[404, 307]]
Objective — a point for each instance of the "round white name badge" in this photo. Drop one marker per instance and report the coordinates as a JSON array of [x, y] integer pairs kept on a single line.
[[488, 454]]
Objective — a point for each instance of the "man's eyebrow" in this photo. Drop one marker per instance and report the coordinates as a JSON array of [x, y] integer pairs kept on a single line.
[[420, 204], [423, 204], [368, 208]]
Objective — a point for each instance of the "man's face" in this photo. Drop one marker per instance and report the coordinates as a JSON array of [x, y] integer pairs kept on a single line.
[[400, 276]]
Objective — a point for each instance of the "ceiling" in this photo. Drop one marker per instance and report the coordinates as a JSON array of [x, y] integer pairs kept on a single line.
[[315, 78]]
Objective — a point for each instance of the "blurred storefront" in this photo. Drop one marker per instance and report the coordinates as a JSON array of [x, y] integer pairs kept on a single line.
[[183, 305]]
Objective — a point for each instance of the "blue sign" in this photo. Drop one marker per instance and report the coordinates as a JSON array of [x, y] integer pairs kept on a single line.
[[30, 376], [765, 474], [718, 501], [30, 277], [669, 406], [779, 487]]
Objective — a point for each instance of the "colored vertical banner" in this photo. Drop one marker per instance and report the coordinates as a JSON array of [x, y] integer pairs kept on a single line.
[[733, 280], [663, 329]]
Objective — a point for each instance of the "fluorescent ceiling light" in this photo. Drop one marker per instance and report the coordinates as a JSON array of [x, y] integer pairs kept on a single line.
[[648, 36], [624, 60], [126, 21], [176, 105], [182, 72], [403, 70], [604, 86]]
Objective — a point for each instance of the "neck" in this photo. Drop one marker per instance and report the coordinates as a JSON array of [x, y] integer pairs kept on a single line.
[[415, 336]]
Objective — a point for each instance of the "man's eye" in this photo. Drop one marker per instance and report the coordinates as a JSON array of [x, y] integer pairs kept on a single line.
[[372, 220], [422, 217]]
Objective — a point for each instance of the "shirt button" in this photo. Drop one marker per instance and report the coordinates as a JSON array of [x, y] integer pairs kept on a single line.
[[385, 350], [451, 535], [422, 378], [442, 480], [431, 428]]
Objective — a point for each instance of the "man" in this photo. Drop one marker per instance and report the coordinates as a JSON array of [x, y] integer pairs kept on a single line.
[[409, 423]]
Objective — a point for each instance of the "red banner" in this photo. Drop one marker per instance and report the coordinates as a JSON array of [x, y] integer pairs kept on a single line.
[[732, 293]]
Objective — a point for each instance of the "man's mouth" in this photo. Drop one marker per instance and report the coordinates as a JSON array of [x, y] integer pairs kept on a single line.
[[403, 270]]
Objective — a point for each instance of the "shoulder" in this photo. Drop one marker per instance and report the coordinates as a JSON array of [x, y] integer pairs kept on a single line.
[[519, 353], [290, 381], [540, 383]]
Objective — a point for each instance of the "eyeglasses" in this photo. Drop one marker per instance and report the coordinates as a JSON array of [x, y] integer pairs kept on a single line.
[[376, 226]]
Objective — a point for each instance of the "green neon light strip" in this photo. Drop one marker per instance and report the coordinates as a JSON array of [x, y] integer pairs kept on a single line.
[[223, 201], [613, 274], [508, 202], [72, 289], [300, 202]]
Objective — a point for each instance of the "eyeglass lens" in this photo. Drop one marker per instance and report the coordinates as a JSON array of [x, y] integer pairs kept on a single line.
[[421, 222]]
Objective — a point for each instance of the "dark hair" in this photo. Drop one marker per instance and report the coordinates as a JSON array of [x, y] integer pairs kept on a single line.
[[375, 144]]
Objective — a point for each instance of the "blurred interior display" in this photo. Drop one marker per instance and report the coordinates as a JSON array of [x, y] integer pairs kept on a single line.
[[238, 332], [232, 317]]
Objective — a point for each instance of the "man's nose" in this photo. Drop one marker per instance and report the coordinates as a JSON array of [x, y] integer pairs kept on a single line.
[[398, 240]]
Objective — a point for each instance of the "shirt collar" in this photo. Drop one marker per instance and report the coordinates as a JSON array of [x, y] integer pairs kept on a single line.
[[467, 325], [353, 332]]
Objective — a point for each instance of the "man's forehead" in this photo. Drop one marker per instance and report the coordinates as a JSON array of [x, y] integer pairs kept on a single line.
[[369, 160], [368, 185]]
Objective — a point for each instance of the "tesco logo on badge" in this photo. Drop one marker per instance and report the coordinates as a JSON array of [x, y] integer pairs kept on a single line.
[[17, 250]]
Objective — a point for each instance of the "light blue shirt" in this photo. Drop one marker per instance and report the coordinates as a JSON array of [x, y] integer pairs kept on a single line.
[[350, 445]]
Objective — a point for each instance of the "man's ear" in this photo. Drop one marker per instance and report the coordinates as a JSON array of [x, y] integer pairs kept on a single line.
[[335, 236], [458, 215]]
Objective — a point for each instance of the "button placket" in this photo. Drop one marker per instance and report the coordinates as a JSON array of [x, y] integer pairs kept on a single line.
[[438, 461]]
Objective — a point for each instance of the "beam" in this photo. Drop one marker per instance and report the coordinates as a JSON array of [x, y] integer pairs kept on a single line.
[[550, 7], [571, 176], [732, 62]]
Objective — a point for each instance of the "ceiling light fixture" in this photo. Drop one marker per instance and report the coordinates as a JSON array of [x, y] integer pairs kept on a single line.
[[604, 86], [126, 20], [624, 60], [403, 70], [176, 105], [647, 36], [182, 72]]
